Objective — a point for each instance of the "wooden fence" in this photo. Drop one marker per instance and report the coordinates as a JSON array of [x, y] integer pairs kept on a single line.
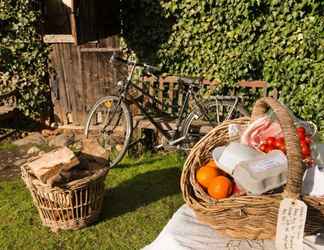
[[169, 92]]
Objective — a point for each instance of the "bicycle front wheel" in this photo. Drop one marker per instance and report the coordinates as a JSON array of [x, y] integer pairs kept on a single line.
[[213, 112], [109, 123]]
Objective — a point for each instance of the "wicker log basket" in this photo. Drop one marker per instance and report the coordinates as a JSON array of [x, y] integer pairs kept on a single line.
[[249, 217], [72, 206]]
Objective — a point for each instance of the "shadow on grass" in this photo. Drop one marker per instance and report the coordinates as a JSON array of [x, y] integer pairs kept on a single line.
[[140, 191], [139, 162]]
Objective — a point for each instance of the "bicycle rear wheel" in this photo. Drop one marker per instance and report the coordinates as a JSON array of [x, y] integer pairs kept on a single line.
[[109, 123], [217, 110]]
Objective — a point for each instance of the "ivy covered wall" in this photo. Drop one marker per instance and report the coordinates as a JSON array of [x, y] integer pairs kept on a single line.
[[280, 41], [23, 56]]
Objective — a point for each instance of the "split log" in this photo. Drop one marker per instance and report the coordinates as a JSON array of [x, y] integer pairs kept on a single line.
[[93, 151], [50, 165]]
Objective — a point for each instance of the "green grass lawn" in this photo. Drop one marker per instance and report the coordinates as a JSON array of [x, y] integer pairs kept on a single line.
[[141, 197]]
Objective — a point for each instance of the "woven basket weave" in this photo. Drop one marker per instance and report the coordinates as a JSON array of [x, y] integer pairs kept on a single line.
[[73, 206], [249, 217]]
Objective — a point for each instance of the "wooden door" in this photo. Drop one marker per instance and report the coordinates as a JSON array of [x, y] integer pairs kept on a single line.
[[81, 72], [80, 75]]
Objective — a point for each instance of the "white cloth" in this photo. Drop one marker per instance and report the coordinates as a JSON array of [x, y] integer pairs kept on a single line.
[[184, 232], [313, 183]]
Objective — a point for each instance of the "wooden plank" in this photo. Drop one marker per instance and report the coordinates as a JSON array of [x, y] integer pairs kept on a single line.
[[82, 91], [73, 22], [180, 97], [58, 38], [176, 98], [97, 92], [73, 79], [146, 85], [66, 72], [110, 42], [89, 68], [106, 84], [77, 86], [253, 84], [57, 64], [68, 59], [208, 82], [161, 89], [136, 110], [170, 99], [109, 74], [109, 50], [152, 91], [177, 78], [55, 94], [6, 109]]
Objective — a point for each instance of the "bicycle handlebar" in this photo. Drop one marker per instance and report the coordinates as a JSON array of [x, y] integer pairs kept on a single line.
[[149, 68]]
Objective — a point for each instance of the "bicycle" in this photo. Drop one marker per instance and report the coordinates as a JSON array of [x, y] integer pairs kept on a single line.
[[115, 126]]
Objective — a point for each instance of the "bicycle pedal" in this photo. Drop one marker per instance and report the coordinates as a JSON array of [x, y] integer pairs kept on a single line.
[[159, 146], [176, 141]]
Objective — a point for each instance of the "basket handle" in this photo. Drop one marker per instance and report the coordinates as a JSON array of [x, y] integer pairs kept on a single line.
[[295, 166]]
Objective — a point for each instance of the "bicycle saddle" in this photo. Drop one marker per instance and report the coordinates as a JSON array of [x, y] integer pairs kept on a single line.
[[193, 82]]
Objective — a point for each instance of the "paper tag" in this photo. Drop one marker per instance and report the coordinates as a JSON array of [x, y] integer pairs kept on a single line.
[[291, 225]]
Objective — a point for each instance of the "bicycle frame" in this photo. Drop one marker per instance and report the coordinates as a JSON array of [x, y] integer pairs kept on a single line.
[[130, 99], [116, 109], [124, 96]]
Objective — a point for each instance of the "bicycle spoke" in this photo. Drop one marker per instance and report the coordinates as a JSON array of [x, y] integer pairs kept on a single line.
[[232, 109], [219, 110], [114, 128]]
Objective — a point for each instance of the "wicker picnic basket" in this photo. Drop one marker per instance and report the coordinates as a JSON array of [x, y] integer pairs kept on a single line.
[[72, 206], [249, 217]]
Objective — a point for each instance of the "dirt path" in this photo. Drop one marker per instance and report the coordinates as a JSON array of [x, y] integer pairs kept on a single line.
[[10, 161]]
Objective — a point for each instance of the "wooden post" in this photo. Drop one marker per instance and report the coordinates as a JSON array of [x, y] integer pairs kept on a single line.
[[152, 90], [170, 99], [161, 88]]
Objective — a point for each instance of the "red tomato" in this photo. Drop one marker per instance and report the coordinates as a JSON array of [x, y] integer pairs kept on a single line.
[[271, 141], [305, 151], [303, 143], [264, 147], [282, 148], [300, 132], [236, 189], [280, 143], [308, 139], [270, 148]]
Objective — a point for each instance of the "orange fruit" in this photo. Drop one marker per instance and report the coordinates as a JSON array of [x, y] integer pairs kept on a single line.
[[220, 187], [210, 163], [206, 173]]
